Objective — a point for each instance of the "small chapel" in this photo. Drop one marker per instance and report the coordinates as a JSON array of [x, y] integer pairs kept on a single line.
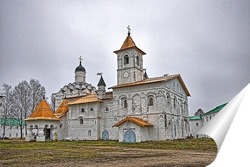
[[138, 108]]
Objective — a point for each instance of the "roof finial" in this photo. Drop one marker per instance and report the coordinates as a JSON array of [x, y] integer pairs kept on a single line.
[[80, 58], [128, 30]]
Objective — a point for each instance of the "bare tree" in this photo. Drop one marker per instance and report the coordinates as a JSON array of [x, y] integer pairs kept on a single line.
[[37, 92], [27, 95], [53, 103], [7, 102], [23, 102]]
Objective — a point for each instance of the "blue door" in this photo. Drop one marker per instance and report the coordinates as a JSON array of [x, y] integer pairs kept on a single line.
[[129, 136], [105, 135]]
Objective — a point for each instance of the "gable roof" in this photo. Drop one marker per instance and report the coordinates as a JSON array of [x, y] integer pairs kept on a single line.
[[135, 120], [62, 109], [42, 112], [215, 110], [90, 98], [154, 80]]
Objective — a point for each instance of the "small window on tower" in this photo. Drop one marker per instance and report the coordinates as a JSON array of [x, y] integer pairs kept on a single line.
[[137, 60], [126, 59], [91, 109], [83, 110]]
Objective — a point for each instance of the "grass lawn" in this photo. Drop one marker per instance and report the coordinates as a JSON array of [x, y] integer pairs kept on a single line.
[[21, 153]]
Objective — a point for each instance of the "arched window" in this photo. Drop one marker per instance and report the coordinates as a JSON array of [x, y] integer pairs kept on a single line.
[[124, 102], [83, 110], [81, 121], [150, 100], [91, 109], [89, 133], [126, 59]]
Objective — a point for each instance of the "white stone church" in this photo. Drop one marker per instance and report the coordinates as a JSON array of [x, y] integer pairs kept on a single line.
[[137, 109]]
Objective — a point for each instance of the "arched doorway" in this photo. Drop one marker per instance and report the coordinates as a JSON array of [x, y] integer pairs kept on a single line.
[[47, 132], [129, 136], [105, 135]]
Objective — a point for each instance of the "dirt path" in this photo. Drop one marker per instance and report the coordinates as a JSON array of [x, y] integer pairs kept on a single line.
[[130, 157]]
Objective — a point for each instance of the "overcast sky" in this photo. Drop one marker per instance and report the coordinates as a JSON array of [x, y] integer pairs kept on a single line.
[[207, 42]]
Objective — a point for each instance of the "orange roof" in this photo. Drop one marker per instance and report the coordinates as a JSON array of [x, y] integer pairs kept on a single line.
[[42, 112], [135, 120], [154, 80], [62, 109], [91, 98], [129, 43]]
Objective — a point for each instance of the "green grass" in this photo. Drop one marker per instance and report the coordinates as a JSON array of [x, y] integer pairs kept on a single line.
[[19, 152]]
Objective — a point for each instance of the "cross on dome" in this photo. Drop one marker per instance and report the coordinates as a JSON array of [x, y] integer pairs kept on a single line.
[[80, 58]]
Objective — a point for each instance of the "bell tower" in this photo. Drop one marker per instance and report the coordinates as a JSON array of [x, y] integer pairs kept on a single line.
[[129, 62]]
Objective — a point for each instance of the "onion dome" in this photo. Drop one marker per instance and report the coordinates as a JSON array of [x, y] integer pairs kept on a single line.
[[80, 68]]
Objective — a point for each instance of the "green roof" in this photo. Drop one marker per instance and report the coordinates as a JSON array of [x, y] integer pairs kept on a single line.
[[215, 110], [196, 117], [11, 121]]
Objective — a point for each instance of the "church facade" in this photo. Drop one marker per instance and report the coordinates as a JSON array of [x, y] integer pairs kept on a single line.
[[137, 109]]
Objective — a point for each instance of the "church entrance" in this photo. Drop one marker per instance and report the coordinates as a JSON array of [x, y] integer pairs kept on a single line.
[[129, 136], [105, 135]]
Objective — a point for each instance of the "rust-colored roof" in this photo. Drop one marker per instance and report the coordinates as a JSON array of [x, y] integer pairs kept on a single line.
[[91, 98], [62, 109], [129, 43], [135, 120], [154, 80], [42, 112]]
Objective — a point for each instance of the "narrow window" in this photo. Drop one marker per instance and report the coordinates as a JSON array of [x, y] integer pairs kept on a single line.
[[197, 124], [91, 109], [124, 102], [81, 121], [89, 132], [83, 110], [106, 109], [126, 59], [150, 100], [16, 134], [137, 60], [168, 99]]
